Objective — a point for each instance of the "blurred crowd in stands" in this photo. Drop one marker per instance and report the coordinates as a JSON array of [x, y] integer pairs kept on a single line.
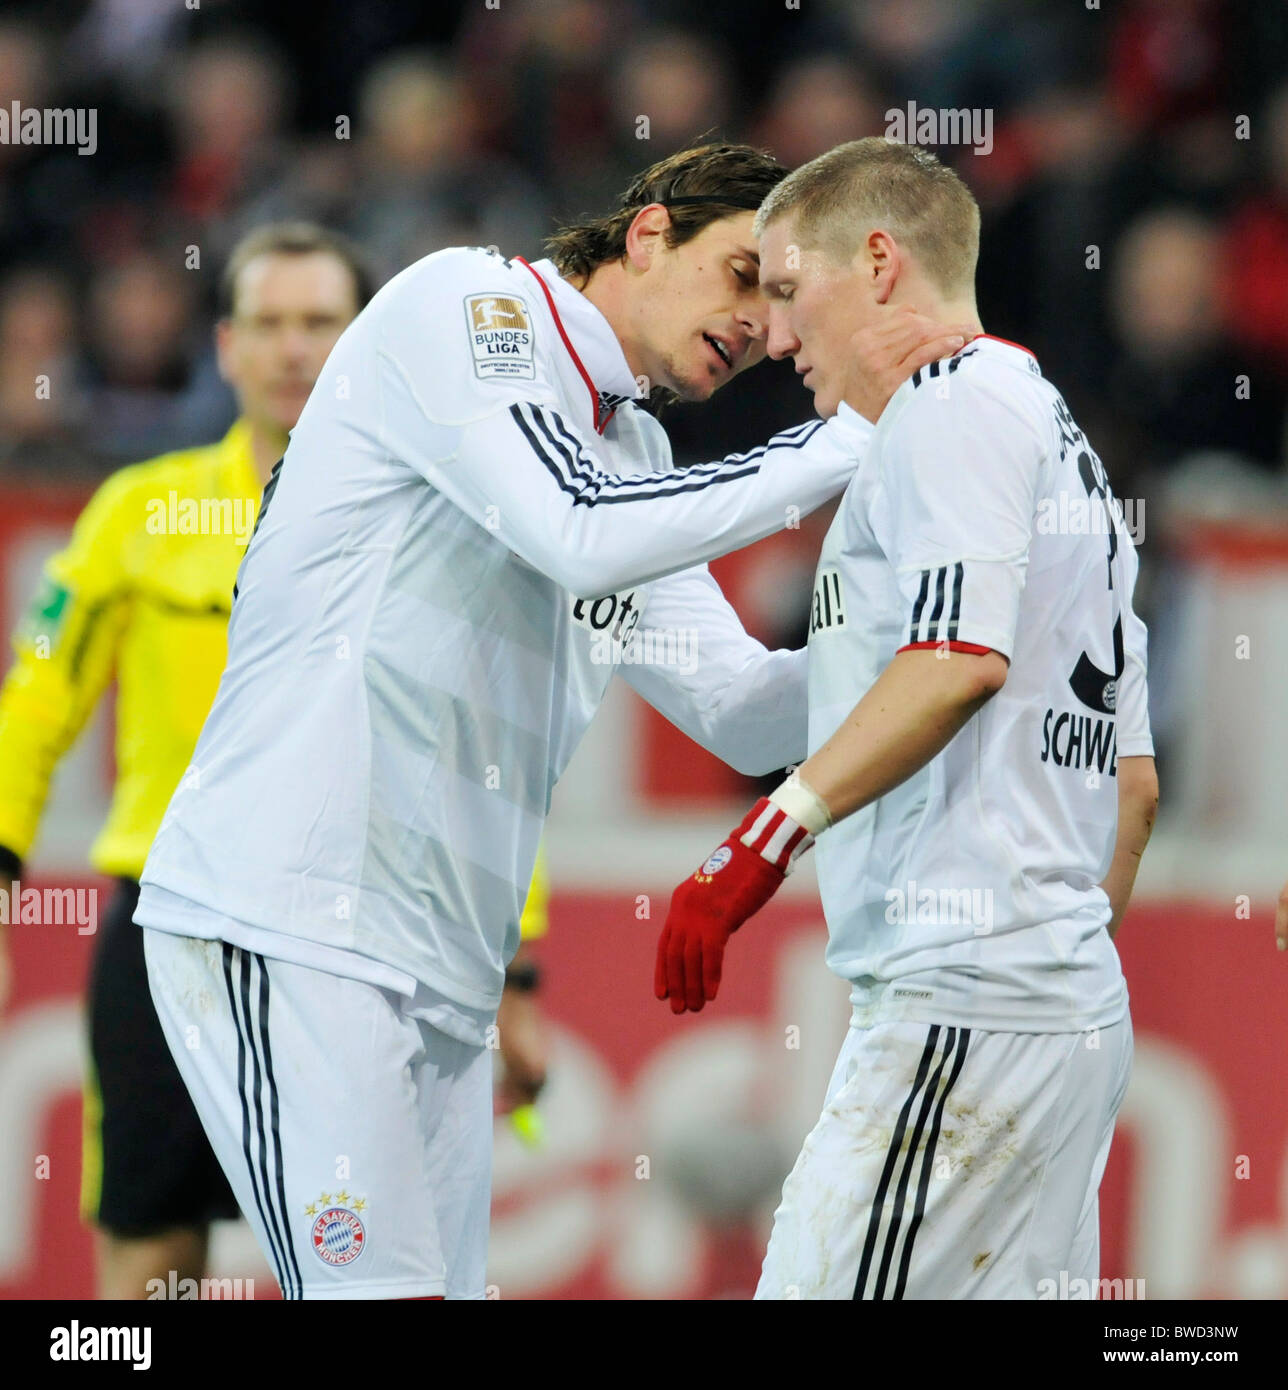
[[1135, 196]]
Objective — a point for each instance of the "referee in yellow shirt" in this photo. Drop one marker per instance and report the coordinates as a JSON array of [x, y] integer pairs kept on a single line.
[[142, 593]]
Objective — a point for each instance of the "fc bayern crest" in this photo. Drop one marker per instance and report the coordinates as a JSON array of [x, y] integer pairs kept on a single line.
[[718, 860], [338, 1233]]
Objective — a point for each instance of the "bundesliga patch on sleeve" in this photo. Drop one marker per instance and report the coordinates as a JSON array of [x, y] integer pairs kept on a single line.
[[500, 336]]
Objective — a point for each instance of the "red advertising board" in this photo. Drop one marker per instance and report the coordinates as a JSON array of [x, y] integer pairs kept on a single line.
[[666, 1139]]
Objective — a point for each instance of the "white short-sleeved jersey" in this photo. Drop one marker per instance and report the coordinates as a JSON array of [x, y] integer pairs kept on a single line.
[[980, 518], [467, 527]]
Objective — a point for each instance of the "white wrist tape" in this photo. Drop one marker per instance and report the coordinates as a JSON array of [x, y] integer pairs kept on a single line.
[[800, 801]]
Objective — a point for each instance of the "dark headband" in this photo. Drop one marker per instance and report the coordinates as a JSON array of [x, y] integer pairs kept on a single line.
[[735, 201]]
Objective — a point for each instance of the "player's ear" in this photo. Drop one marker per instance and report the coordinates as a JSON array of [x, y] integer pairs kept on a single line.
[[644, 237], [884, 261]]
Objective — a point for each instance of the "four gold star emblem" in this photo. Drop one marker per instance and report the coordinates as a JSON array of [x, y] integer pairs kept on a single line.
[[339, 1199]]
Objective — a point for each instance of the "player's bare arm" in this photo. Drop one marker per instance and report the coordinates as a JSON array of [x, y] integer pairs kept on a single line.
[[919, 703], [1137, 807]]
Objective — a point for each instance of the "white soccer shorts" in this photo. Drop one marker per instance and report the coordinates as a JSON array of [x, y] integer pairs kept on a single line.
[[358, 1141], [951, 1163]]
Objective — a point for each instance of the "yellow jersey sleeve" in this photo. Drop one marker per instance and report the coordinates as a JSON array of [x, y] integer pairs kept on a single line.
[[65, 650], [536, 917]]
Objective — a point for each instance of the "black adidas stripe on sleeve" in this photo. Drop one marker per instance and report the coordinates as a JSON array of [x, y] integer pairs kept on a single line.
[[575, 472], [940, 624]]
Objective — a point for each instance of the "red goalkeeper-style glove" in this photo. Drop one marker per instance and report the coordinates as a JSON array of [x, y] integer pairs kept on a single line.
[[737, 880]]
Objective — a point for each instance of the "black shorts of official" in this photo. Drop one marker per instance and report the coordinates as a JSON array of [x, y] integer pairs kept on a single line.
[[147, 1165]]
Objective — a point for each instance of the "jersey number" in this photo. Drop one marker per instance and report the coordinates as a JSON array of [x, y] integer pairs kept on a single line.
[[1095, 688]]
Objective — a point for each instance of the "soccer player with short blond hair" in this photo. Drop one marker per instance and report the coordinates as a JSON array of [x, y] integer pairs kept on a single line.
[[980, 778]]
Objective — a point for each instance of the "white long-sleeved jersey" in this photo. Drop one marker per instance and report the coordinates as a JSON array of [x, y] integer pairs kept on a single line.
[[471, 523], [980, 519]]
